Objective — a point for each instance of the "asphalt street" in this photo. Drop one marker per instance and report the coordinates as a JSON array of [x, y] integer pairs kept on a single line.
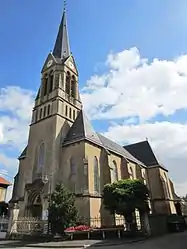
[[171, 241]]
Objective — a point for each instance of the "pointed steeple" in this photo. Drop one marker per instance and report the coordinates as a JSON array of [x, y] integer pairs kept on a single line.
[[62, 49]]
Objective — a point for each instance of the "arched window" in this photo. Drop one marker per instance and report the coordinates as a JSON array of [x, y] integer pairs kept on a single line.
[[51, 82], [41, 154], [131, 176], [114, 171], [48, 110], [66, 111], [73, 87], [73, 171], [73, 114], [41, 111], [45, 85], [68, 82], [96, 176], [44, 111], [72, 167], [36, 116]]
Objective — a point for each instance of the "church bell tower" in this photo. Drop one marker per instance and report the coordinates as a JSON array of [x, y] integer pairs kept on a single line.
[[58, 93], [56, 107]]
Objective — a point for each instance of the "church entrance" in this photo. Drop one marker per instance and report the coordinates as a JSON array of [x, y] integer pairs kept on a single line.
[[34, 201], [35, 208]]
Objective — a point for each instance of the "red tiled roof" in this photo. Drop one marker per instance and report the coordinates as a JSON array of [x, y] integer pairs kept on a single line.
[[3, 181]]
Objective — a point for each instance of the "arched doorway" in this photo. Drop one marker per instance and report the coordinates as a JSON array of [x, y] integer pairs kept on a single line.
[[34, 205]]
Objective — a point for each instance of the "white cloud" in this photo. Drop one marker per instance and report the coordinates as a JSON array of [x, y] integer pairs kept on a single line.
[[15, 109], [135, 86], [135, 89], [167, 140], [15, 114]]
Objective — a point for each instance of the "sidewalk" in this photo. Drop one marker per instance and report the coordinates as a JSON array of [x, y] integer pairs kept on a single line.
[[84, 243], [70, 244]]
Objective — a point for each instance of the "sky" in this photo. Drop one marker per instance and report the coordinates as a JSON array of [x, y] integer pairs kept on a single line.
[[132, 62]]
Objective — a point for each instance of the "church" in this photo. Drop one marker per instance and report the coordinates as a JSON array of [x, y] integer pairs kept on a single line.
[[64, 148]]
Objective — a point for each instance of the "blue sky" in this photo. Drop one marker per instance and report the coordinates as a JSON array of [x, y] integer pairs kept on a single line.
[[97, 29]]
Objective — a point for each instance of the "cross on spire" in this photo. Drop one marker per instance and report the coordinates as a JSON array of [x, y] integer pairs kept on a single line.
[[65, 4]]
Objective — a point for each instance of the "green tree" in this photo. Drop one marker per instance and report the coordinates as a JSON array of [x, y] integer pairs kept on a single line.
[[124, 196], [62, 210]]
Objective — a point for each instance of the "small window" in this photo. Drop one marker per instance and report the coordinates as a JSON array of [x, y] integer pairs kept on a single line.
[[69, 112], [44, 111], [73, 114], [41, 157], [41, 113], [66, 112], [48, 110]]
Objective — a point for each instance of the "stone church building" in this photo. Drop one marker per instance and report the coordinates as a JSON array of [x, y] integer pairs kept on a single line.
[[63, 147]]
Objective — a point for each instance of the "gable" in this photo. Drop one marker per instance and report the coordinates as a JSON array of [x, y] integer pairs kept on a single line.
[[143, 152], [70, 63], [50, 61]]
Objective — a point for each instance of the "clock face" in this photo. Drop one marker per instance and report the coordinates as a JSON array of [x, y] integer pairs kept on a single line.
[[71, 65], [49, 63]]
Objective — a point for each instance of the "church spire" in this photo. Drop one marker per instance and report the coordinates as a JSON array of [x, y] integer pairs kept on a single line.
[[62, 48]]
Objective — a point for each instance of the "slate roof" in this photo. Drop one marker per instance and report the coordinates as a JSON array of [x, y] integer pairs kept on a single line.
[[143, 152], [110, 145], [81, 129], [62, 47]]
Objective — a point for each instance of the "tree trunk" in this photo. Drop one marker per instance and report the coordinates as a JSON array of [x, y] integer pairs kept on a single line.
[[129, 222], [145, 227]]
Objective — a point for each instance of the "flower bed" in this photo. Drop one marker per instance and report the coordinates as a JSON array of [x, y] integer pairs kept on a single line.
[[81, 228]]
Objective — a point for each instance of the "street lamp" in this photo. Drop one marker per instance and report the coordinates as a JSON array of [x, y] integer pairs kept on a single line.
[[46, 180]]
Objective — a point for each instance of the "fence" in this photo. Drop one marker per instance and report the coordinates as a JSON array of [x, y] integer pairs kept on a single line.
[[4, 223], [29, 225]]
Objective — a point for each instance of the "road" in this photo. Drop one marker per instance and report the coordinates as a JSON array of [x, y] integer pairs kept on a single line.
[[171, 241]]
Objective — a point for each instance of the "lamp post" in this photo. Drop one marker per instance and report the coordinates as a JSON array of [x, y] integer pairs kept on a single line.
[[46, 180]]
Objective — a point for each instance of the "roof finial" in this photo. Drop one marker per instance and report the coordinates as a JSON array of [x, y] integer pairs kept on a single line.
[[146, 138], [65, 4]]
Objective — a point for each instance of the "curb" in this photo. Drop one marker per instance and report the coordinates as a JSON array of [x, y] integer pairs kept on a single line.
[[122, 242]]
